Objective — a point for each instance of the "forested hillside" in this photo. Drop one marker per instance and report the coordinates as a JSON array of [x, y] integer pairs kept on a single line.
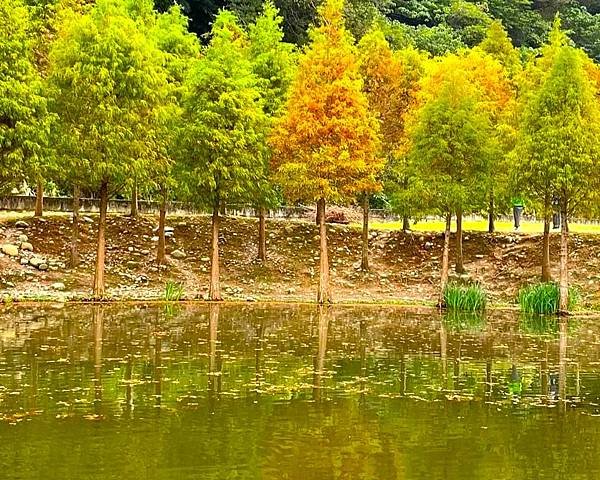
[[438, 26]]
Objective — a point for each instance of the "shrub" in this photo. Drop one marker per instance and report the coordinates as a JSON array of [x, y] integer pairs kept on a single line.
[[543, 298], [173, 291], [465, 298]]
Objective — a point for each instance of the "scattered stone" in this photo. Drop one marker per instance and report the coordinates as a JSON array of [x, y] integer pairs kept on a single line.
[[205, 259], [24, 261], [178, 254], [87, 219], [21, 224], [479, 256], [36, 261], [26, 246], [58, 286], [130, 249], [145, 252], [23, 238], [10, 250], [154, 239], [43, 267]]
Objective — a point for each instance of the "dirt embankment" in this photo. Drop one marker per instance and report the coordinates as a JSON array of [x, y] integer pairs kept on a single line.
[[404, 267]]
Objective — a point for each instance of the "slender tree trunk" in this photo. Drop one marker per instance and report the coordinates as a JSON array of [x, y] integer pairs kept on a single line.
[[445, 260], [160, 251], [134, 200], [262, 234], [39, 198], [492, 215], [324, 292], [460, 268], [215, 285], [364, 264], [546, 275], [564, 259], [75, 228], [405, 224], [99, 283]]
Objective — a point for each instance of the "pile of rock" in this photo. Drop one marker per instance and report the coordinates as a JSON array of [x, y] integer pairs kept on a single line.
[[23, 250]]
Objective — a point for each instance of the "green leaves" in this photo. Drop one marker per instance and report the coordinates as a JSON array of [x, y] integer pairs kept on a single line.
[[224, 122]]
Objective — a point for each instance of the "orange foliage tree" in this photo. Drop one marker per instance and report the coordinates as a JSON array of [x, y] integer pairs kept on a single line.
[[326, 144]]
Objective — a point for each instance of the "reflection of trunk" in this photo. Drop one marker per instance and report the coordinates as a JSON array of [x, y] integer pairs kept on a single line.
[[546, 275], [324, 292], [215, 285], [362, 345], [98, 326], [445, 260], [214, 378], [405, 224], [364, 265], [319, 361], [562, 362], [258, 352], [160, 251], [99, 284], [564, 258], [39, 199], [491, 215], [75, 228], [128, 385], [158, 369], [444, 351], [134, 200], [262, 234], [459, 242], [544, 377]]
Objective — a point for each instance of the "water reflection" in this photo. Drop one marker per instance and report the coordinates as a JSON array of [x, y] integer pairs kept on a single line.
[[288, 382]]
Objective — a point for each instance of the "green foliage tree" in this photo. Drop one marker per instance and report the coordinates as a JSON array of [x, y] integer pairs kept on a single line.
[[107, 77], [224, 129], [273, 62], [561, 142], [23, 119], [451, 145]]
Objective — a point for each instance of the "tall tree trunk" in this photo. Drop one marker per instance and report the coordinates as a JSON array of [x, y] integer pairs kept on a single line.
[[160, 251], [215, 285], [546, 275], [99, 283], [324, 292], [39, 198], [364, 264], [460, 268], [564, 259], [445, 260], [75, 228], [491, 215], [262, 234], [134, 200], [405, 223]]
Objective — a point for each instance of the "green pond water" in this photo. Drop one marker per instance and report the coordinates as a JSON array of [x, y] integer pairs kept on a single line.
[[295, 392]]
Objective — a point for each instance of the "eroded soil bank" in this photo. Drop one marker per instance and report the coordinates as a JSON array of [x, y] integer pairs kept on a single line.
[[404, 267]]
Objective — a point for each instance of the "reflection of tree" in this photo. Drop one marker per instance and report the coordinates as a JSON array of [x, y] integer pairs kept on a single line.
[[214, 356], [562, 362], [258, 354], [319, 360], [98, 329]]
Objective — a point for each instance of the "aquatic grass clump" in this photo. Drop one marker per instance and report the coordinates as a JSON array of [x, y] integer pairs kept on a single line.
[[543, 298], [173, 291], [465, 297]]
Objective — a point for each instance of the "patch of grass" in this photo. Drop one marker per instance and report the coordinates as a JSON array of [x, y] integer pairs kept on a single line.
[[465, 297], [173, 291], [543, 298]]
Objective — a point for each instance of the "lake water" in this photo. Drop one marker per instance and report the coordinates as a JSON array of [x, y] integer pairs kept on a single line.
[[295, 392]]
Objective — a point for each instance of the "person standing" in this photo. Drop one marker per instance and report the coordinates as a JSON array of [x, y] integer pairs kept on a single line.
[[518, 207]]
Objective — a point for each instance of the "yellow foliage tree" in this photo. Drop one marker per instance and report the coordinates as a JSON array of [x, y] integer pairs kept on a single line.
[[326, 144]]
